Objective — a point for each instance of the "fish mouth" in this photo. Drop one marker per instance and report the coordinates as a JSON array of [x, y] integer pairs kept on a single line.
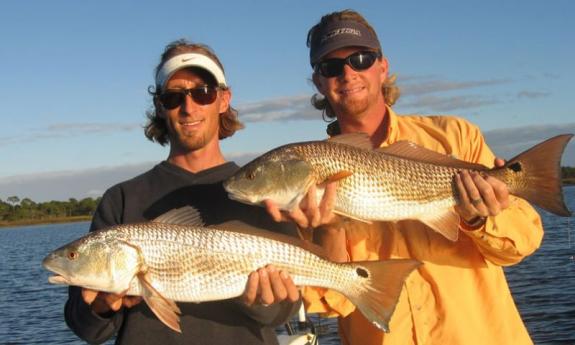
[[243, 198], [59, 280]]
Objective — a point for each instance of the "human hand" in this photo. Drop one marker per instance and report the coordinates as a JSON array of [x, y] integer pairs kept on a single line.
[[309, 213], [104, 302], [480, 195], [267, 286]]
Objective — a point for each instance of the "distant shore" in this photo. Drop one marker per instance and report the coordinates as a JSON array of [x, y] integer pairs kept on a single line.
[[56, 220], [568, 182]]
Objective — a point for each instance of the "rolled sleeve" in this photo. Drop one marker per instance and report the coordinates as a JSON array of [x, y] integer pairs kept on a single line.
[[511, 235]]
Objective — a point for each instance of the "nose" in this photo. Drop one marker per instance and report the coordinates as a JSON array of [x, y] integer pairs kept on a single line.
[[188, 105], [348, 72]]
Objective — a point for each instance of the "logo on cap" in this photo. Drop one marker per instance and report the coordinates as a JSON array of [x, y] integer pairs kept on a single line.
[[340, 31]]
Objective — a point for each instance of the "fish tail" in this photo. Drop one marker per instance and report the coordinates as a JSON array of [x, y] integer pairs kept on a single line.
[[378, 286], [535, 175]]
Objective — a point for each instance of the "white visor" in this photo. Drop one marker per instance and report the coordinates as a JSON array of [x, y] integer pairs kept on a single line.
[[189, 60]]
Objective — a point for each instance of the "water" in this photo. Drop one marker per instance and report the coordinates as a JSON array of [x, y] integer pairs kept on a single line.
[[31, 310]]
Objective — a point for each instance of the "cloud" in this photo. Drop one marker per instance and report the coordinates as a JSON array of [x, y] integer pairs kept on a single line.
[[446, 104], [279, 109], [80, 184], [68, 130], [532, 94], [415, 87]]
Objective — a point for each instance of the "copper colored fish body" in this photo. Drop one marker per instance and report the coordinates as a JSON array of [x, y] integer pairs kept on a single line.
[[402, 181], [174, 258]]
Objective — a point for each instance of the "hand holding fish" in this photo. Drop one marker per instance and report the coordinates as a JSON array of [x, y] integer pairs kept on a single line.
[[308, 213], [104, 302], [267, 286], [480, 196]]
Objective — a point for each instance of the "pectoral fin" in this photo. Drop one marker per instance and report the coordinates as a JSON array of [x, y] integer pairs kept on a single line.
[[446, 223], [166, 310], [340, 175]]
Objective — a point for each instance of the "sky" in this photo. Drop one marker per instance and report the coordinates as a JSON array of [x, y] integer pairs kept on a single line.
[[74, 77]]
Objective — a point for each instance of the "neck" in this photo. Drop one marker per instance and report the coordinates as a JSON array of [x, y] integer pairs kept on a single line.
[[374, 124], [197, 160]]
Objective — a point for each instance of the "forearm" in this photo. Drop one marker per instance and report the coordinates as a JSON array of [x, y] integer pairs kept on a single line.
[[85, 323], [510, 236]]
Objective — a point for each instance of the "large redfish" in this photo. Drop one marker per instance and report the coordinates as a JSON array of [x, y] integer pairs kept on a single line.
[[401, 181], [175, 258]]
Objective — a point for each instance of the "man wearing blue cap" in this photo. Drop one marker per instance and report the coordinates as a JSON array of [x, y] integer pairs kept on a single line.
[[192, 113], [459, 295]]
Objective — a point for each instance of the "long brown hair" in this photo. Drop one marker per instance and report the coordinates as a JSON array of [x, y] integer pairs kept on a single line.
[[156, 128]]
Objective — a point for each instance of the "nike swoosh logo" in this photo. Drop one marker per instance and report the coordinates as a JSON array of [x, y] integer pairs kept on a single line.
[[186, 60]]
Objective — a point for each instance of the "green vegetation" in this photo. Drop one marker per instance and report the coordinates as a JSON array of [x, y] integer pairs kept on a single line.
[[568, 174], [14, 211]]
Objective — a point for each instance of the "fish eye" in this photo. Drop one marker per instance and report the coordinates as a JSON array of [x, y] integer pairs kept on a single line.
[[73, 255]]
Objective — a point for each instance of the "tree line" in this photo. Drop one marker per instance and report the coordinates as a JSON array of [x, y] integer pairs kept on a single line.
[[15, 209]]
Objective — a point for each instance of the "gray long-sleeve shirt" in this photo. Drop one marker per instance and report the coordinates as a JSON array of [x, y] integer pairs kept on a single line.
[[145, 197]]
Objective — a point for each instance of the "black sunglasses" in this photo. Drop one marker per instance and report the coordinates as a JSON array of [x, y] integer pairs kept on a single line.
[[359, 61], [203, 95]]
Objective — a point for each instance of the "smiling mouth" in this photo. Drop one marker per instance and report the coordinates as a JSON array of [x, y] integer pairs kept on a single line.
[[191, 123], [351, 91]]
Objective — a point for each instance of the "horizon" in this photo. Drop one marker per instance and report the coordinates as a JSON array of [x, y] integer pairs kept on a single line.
[[76, 78]]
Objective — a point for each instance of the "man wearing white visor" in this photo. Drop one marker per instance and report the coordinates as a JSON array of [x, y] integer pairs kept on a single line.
[[191, 114]]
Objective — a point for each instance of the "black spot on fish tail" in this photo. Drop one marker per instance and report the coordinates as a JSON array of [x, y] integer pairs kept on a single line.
[[516, 167], [362, 272]]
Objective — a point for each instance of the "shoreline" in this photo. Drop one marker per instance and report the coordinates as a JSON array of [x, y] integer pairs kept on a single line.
[[56, 220]]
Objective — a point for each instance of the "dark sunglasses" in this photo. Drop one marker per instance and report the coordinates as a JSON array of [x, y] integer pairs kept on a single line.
[[202, 95], [359, 61]]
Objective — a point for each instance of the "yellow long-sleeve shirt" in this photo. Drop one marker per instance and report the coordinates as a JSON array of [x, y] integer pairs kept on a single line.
[[460, 294]]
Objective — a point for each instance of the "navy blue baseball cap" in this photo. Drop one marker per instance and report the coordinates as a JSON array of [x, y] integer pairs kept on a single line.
[[340, 34]]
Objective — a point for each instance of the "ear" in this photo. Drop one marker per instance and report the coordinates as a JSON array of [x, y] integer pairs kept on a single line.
[[383, 64], [317, 82], [225, 98], [158, 108]]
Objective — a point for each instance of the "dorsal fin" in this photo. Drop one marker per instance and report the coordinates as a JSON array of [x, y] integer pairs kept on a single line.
[[409, 150], [186, 215], [244, 228], [359, 140]]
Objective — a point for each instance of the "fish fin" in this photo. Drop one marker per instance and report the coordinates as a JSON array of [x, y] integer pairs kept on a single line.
[[352, 217], [186, 215], [360, 140], [380, 286], [340, 175], [244, 228], [538, 173], [409, 150], [165, 309], [446, 223]]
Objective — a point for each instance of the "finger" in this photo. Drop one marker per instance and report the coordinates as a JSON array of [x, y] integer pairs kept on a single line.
[[266, 294], [499, 162], [327, 203], [277, 285], [311, 207], [273, 210], [113, 301], [130, 301], [292, 290], [89, 295], [485, 201], [299, 218], [500, 191], [251, 290]]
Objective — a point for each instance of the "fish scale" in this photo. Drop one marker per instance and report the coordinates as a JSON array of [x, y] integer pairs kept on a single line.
[[394, 183], [375, 191], [186, 262]]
